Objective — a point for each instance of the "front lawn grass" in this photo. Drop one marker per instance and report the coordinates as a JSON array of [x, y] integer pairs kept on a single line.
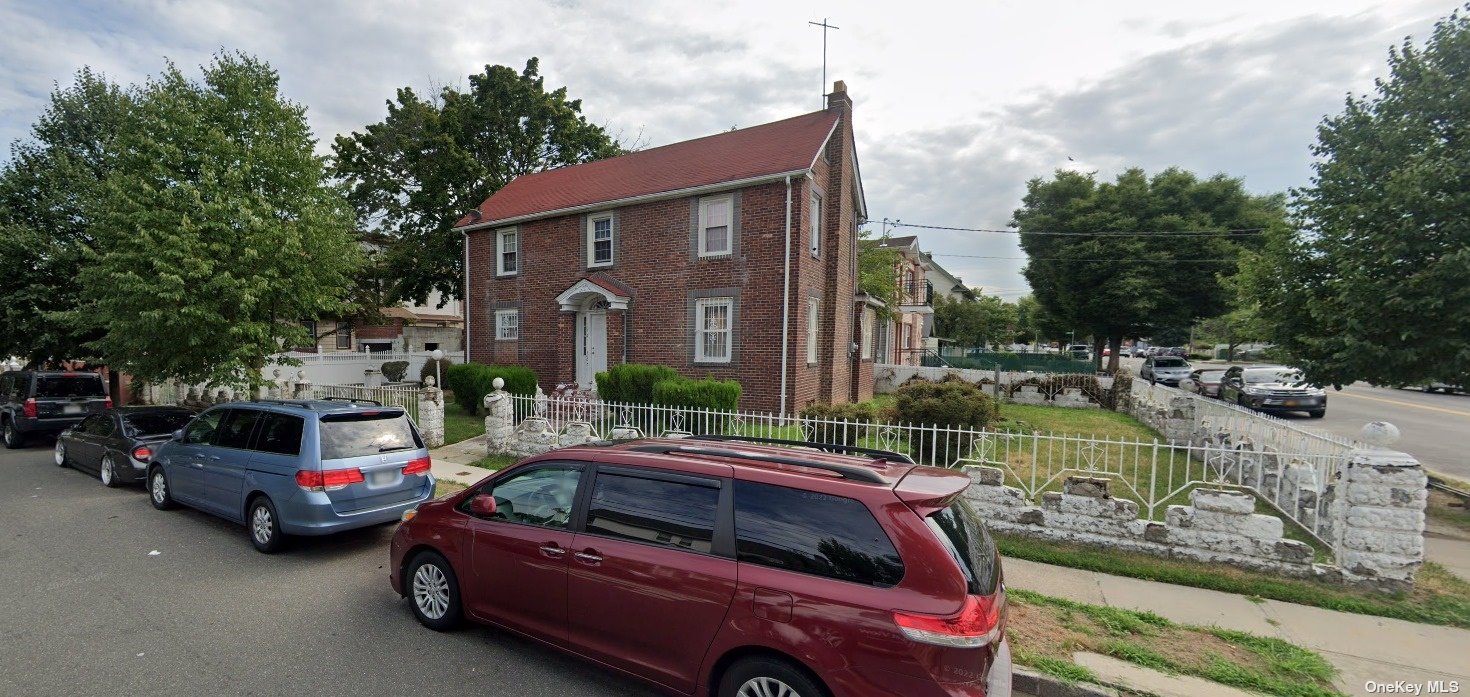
[[1045, 632], [495, 462], [1439, 597], [460, 425]]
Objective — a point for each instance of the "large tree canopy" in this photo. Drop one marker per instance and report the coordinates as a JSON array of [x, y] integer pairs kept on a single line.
[[419, 170], [47, 192], [1102, 256], [984, 321], [215, 230], [1375, 283]]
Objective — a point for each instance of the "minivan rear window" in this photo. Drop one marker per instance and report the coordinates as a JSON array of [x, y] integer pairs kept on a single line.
[[966, 539], [66, 386], [368, 433]]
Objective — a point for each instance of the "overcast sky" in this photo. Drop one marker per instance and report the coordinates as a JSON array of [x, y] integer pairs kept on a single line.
[[956, 104]]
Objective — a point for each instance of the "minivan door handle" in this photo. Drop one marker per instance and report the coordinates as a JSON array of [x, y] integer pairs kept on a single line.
[[589, 557], [553, 551]]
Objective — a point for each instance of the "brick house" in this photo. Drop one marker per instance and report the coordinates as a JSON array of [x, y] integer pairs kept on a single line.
[[732, 256], [905, 335]]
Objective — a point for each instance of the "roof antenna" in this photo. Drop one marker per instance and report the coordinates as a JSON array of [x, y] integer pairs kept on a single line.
[[825, 26]]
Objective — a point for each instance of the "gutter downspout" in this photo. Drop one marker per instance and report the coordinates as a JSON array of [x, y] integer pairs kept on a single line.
[[466, 272], [786, 300]]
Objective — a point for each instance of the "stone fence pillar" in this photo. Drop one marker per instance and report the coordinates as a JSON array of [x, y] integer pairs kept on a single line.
[[303, 389], [499, 419], [431, 413], [1379, 526]]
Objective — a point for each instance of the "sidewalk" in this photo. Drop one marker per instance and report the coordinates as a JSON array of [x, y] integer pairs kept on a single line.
[[1362, 647], [451, 463]]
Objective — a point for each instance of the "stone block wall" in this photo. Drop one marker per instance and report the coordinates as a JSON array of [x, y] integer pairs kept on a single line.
[[1381, 508]]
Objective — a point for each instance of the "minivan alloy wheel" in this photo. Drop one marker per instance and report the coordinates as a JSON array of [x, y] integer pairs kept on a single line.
[[766, 687], [261, 525], [431, 591]]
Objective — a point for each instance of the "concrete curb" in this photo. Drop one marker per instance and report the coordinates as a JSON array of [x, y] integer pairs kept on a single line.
[[1040, 685]]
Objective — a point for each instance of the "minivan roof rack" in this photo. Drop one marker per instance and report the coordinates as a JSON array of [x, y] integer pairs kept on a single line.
[[353, 400], [874, 453], [847, 471]]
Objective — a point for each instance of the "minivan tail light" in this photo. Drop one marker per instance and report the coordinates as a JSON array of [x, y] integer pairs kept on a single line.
[[418, 466], [327, 480], [977, 624], [107, 403], [142, 453], [29, 409]]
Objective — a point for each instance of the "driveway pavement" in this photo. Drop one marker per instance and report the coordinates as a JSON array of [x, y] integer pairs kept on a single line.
[[106, 596]]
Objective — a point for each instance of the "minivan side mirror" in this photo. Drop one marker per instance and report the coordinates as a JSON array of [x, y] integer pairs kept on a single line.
[[178, 435], [483, 505]]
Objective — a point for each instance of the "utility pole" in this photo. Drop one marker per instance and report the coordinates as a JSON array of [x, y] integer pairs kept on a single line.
[[825, 26]]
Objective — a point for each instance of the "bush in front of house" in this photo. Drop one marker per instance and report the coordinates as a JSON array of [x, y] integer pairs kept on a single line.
[[951, 409], [395, 371], [697, 399], [444, 365], [841, 424], [470, 382], [632, 383]]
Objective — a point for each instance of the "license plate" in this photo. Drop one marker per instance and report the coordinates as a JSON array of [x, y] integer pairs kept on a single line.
[[382, 477], [71, 409], [1291, 402]]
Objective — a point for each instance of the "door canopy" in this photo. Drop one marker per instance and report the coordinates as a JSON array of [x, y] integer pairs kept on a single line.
[[577, 297]]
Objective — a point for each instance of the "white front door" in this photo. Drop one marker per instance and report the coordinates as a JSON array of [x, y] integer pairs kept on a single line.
[[591, 346]]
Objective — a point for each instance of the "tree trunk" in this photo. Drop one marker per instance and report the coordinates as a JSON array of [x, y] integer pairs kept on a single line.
[[1098, 341], [1115, 344]]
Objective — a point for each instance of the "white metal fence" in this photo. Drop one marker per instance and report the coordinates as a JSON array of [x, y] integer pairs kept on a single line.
[[1153, 473], [1265, 430]]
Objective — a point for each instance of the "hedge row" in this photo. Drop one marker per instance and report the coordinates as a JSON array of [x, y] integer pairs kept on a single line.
[[632, 383], [470, 382]]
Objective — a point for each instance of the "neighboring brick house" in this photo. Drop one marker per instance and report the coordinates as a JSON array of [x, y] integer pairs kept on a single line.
[[904, 336], [682, 255]]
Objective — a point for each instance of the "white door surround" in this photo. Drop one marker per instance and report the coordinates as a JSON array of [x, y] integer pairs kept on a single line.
[[591, 349]]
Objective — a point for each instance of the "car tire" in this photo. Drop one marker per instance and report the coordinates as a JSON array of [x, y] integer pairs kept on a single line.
[[263, 526], [751, 677], [12, 436], [60, 454], [1317, 413], [160, 493], [107, 472], [433, 592]]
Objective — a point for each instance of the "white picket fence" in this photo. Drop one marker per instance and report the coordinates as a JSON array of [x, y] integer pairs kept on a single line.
[[1153, 473], [397, 396]]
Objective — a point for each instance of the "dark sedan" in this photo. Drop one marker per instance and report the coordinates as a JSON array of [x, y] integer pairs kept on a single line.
[[117, 444], [1206, 381]]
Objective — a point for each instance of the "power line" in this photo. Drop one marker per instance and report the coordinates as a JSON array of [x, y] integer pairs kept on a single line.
[[1155, 261], [1237, 232]]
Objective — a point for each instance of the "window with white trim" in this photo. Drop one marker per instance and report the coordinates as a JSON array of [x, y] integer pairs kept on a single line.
[[600, 240], [715, 226], [869, 317], [712, 329], [507, 325], [507, 252], [811, 331], [816, 216]]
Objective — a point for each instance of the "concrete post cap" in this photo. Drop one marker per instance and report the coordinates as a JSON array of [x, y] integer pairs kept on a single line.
[[1380, 433], [498, 383]]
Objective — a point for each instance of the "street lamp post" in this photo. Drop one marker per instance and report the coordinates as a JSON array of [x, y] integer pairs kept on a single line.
[[437, 355]]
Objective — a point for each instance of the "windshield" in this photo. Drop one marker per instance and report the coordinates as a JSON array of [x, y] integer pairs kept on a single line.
[[1267, 375], [64, 386], [1211, 375], [966, 539], [155, 423], [368, 433], [1170, 363]]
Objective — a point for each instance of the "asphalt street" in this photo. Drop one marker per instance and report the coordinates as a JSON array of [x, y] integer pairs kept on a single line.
[[103, 595]]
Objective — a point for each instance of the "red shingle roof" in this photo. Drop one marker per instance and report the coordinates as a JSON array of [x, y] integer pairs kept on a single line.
[[783, 146]]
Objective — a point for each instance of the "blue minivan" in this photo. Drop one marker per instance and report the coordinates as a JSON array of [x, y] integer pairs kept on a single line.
[[285, 467]]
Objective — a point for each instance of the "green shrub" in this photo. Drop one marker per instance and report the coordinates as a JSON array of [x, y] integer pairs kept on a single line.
[[951, 403], [428, 369], [632, 383], [396, 370], [470, 382], [852, 426], [695, 399]]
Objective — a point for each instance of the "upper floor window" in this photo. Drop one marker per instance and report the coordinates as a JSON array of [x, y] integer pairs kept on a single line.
[[600, 240], [712, 335], [715, 226], [507, 325], [816, 241], [507, 252]]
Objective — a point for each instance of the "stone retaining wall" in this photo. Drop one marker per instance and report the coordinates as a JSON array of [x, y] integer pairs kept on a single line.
[[888, 377]]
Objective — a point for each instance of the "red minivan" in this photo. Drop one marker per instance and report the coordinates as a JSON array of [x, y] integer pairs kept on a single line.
[[716, 566]]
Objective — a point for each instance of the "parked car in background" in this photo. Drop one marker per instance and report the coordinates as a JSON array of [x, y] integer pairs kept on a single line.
[[1444, 387], [1273, 388], [118, 444], [1081, 352], [1168, 370], [289, 467], [767, 570], [47, 402], [1205, 381]]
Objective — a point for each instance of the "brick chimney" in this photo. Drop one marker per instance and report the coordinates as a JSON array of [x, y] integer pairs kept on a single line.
[[838, 99]]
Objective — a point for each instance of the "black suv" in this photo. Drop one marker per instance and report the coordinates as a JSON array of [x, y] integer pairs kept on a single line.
[[47, 401]]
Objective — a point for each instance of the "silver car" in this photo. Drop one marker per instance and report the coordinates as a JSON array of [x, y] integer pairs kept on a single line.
[[1168, 370]]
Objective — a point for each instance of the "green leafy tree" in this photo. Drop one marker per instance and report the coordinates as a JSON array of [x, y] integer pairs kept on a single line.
[[48, 193], [414, 174], [984, 321], [1119, 285], [215, 230], [877, 269], [1375, 283]]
